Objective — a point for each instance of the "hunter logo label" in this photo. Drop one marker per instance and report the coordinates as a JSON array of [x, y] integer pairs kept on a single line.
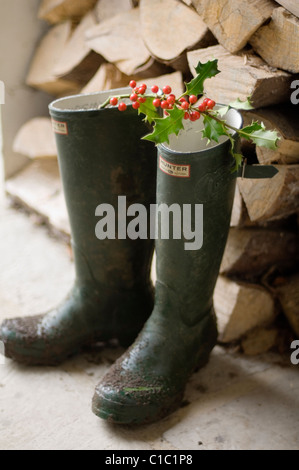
[[179, 171], [60, 127]]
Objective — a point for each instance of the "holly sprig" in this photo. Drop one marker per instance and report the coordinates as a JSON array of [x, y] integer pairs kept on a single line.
[[167, 113]]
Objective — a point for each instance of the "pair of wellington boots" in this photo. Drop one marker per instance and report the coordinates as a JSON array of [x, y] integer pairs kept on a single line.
[[102, 157]]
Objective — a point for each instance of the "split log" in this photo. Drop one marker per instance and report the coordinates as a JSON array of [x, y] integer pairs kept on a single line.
[[38, 187], [241, 307], [241, 76], [107, 77], [56, 11], [288, 295], [78, 62], [291, 5], [249, 253], [278, 42], [41, 73], [169, 28], [36, 139], [239, 217], [106, 9], [274, 198], [233, 22], [260, 340], [119, 40], [285, 121]]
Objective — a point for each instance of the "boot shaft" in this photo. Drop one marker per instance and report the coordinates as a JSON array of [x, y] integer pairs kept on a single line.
[[198, 185], [101, 156]]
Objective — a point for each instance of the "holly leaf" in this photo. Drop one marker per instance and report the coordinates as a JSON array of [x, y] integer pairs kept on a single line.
[[149, 110], [238, 161], [204, 71], [213, 129], [171, 124], [258, 134], [238, 104]]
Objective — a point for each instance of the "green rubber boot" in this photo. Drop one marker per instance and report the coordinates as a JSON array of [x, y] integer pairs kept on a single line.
[[148, 381], [101, 157]]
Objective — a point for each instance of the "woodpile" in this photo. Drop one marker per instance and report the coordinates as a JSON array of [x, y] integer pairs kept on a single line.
[[96, 45]]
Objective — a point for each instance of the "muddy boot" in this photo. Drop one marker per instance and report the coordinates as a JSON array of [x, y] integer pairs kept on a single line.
[[148, 381], [101, 157]]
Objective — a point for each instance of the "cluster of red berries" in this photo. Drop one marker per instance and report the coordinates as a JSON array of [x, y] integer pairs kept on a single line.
[[193, 113], [165, 100]]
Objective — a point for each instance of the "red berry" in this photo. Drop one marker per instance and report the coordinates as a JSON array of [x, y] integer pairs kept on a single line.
[[182, 99], [211, 104], [113, 101], [194, 116], [192, 99], [132, 83], [186, 115], [202, 107], [133, 97], [136, 105], [167, 90], [141, 99], [155, 88], [205, 100], [122, 106], [185, 105], [157, 102], [164, 104], [171, 99], [142, 89]]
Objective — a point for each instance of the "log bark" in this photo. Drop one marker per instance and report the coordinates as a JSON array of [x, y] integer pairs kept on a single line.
[[249, 253], [41, 73], [278, 42], [241, 307], [274, 198], [233, 22], [291, 5], [36, 139], [169, 28], [56, 11], [78, 62], [241, 76], [288, 295], [285, 121]]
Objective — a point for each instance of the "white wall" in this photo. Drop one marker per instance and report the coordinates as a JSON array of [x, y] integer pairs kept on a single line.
[[20, 31]]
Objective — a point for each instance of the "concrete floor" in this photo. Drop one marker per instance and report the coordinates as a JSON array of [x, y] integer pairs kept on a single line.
[[235, 402]]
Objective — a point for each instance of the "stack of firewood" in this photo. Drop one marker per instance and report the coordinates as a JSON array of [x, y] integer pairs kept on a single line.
[[97, 45]]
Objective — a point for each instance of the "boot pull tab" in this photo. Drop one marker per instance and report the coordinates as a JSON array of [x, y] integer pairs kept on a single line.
[[256, 171]]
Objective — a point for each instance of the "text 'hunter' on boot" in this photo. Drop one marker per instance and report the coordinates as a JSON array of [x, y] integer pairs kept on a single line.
[[101, 157], [197, 185]]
